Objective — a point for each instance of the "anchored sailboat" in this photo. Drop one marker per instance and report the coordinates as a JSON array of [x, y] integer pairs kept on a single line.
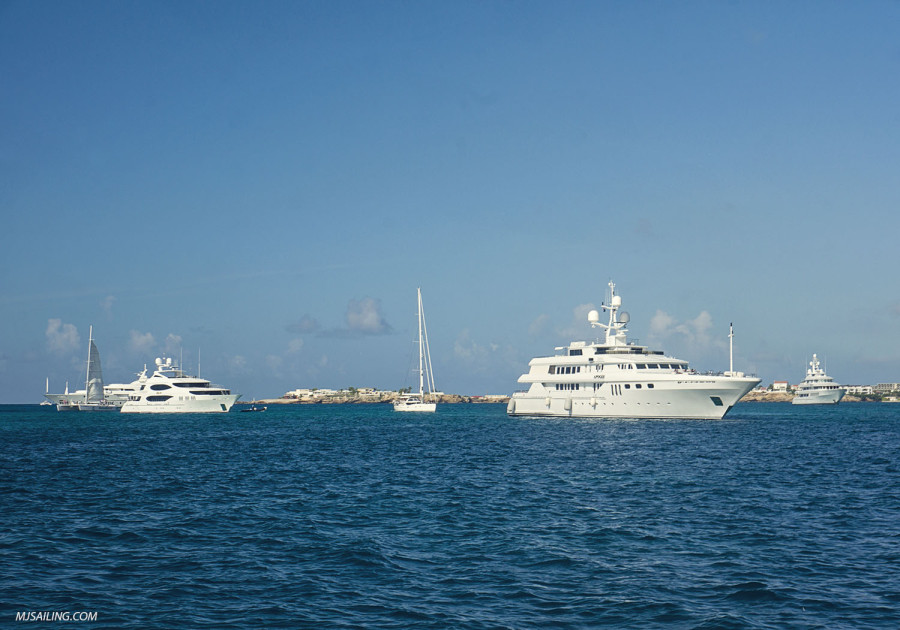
[[93, 385], [417, 402]]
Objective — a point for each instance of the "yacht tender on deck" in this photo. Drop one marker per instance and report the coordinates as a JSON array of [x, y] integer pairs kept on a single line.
[[618, 379]]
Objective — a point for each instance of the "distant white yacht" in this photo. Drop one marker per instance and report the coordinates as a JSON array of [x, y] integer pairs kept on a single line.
[[170, 390], [93, 396], [418, 402], [618, 379], [115, 393], [818, 388]]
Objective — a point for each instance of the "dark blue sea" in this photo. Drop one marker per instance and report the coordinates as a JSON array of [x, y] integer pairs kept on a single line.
[[357, 517]]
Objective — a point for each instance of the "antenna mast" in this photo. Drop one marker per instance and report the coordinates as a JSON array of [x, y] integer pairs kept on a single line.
[[731, 349]]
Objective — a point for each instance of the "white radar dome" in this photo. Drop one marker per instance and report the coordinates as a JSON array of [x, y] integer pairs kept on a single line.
[[624, 317], [593, 316], [158, 361], [616, 301]]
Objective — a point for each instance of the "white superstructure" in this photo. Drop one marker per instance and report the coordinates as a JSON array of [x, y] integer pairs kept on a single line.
[[418, 402], [170, 390], [818, 388], [618, 379]]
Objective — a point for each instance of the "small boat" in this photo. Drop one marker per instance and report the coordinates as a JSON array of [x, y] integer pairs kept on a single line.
[[253, 408], [418, 402]]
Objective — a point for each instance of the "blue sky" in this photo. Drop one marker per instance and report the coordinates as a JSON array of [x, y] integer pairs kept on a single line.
[[265, 184]]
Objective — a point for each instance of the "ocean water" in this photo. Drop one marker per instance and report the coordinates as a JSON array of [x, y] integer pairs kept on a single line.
[[357, 517]]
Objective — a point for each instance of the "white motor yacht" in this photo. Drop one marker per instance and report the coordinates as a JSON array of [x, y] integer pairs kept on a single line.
[[170, 390], [617, 379], [818, 388]]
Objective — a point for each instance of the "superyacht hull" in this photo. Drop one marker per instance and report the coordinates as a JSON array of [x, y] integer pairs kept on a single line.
[[830, 397], [215, 404], [709, 400]]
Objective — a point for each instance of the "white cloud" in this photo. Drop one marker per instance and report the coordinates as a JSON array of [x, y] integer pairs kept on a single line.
[[173, 343], [539, 325], [306, 324], [237, 363], [295, 345], [465, 347], [275, 364], [579, 326], [61, 337], [661, 323], [364, 316], [695, 332], [107, 303], [142, 342]]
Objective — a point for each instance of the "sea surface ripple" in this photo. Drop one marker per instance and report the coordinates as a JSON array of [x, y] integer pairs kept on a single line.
[[357, 517]]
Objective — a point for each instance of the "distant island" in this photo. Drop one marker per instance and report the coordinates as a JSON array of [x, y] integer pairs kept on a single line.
[[353, 395]]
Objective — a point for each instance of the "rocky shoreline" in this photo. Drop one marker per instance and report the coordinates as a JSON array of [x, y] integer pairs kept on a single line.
[[387, 397]]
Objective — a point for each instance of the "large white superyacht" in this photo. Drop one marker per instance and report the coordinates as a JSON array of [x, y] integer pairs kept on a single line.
[[818, 388], [170, 390], [618, 379]]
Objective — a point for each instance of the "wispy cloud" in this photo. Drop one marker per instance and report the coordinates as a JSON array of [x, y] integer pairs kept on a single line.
[[295, 345], [695, 332], [62, 338], [579, 326], [363, 318], [107, 303], [539, 325], [304, 325], [141, 342], [173, 343]]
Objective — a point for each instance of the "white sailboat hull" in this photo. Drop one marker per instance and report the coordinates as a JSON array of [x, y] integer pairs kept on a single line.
[[414, 404]]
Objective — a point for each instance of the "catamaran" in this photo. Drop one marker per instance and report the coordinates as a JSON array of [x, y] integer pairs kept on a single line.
[[418, 402]]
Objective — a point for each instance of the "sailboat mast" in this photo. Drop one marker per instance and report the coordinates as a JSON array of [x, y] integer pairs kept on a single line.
[[421, 348], [87, 375]]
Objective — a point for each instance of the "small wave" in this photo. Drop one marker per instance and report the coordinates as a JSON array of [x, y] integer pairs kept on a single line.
[[753, 591]]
